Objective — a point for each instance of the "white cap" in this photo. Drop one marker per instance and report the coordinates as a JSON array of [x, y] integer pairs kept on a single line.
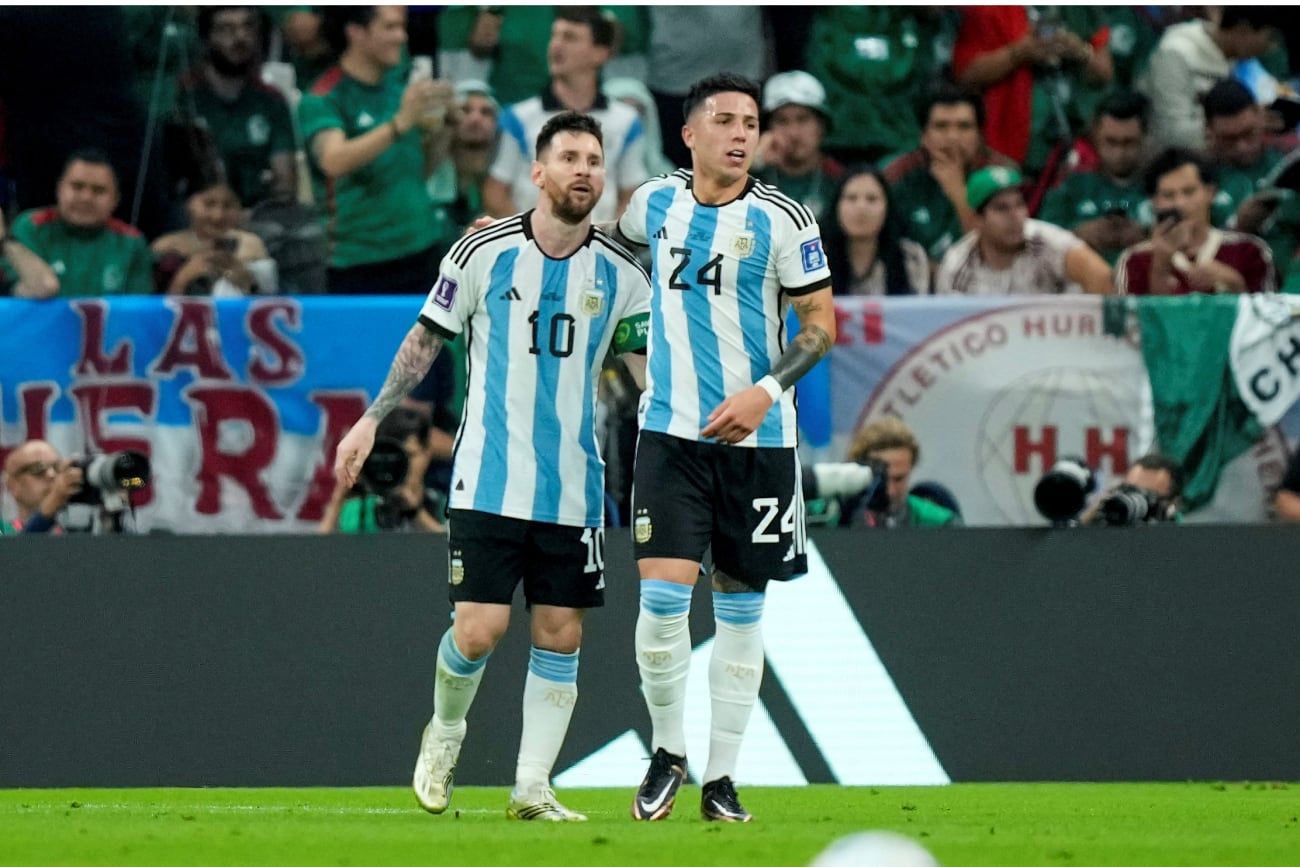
[[795, 88], [875, 849], [467, 86]]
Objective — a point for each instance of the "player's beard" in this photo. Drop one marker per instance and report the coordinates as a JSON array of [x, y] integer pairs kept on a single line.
[[569, 211]]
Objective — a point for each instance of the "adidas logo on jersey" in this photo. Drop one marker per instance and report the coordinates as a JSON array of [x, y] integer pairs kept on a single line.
[[662, 234], [511, 295]]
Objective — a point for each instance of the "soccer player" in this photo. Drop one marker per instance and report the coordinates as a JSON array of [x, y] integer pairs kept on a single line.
[[715, 461], [540, 296]]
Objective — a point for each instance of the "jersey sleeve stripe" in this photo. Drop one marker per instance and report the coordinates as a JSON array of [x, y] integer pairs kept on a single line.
[[799, 215], [809, 289], [465, 247], [444, 333]]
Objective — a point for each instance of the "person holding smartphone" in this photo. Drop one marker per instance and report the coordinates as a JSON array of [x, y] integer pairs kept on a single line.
[[1186, 254], [213, 256]]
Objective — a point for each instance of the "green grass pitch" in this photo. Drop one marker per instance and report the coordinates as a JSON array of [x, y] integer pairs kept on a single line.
[[965, 825]]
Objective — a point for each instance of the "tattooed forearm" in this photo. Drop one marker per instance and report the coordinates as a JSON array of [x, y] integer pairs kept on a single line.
[[809, 345], [413, 360]]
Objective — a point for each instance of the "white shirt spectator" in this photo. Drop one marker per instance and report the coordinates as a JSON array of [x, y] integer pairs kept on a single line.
[[621, 130], [1039, 269], [1185, 64]]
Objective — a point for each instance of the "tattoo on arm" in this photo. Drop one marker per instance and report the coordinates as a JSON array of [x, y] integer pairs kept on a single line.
[[413, 360], [807, 348]]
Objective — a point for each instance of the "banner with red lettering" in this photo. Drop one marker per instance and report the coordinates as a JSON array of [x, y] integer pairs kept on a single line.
[[996, 389], [237, 403]]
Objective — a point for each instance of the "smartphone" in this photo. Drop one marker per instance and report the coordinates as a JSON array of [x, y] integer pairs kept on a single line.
[[1167, 214]]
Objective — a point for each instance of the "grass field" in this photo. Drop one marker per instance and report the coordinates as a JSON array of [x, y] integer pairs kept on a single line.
[[1005, 825]]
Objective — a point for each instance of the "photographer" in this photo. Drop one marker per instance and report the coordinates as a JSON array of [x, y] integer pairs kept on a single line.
[[390, 493], [891, 444], [41, 483], [1150, 493]]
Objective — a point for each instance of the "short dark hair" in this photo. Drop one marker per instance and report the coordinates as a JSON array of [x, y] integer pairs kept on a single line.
[[1173, 159], [1256, 17], [567, 121], [404, 422], [335, 21], [947, 93], [1227, 98], [723, 82], [602, 29], [208, 14], [1156, 462], [93, 155], [1124, 105]]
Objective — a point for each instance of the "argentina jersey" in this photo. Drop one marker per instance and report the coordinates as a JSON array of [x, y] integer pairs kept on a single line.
[[537, 330], [717, 322]]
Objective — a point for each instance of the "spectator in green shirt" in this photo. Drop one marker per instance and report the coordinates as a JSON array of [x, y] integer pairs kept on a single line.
[[1237, 147], [928, 185], [248, 120], [371, 138], [1108, 207], [88, 251]]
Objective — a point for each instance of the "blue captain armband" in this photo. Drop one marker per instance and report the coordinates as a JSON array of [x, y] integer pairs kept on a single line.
[[632, 333]]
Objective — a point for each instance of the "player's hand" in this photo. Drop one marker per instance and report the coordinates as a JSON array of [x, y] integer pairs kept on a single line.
[[738, 416], [353, 450], [480, 223]]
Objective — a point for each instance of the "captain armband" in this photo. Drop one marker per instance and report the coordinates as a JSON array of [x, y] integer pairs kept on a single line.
[[632, 333]]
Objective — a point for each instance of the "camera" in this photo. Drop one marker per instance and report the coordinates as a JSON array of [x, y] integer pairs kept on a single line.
[[108, 479], [381, 474], [384, 469], [1129, 505], [1062, 492]]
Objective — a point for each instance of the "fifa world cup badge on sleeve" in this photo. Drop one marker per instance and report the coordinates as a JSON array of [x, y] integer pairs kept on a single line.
[[813, 257], [444, 294], [457, 572], [593, 302], [641, 528]]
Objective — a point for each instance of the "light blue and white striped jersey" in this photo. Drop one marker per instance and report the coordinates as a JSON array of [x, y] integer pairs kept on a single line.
[[621, 131], [718, 273], [537, 330]]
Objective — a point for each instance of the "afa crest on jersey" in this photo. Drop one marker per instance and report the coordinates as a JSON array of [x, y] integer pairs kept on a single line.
[[742, 245], [593, 302]]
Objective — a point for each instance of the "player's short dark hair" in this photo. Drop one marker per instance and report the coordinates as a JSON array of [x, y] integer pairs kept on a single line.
[[1256, 17], [1173, 159], [723, 82], [208, 14], [1156, 462], [947, 93], [567, 121], [1124, 105], [602, 29], [93, 155], [335, 21], [1227, 98], [403, 422]]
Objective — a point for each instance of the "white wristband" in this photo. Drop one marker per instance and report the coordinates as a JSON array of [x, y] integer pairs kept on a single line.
[[771, 386]]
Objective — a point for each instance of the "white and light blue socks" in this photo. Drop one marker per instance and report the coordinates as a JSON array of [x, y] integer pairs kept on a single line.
[[735, 673], [663, 654], [456, 683], [550, 692]]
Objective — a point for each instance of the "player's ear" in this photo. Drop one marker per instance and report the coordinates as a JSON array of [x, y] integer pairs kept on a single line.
[[688, 136], [537, 174]]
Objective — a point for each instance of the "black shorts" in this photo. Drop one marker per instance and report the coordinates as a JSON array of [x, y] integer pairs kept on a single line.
[[488, 555], [744, 503]]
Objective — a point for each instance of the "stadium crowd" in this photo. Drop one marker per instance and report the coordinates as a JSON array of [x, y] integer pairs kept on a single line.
[[979, 150]]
